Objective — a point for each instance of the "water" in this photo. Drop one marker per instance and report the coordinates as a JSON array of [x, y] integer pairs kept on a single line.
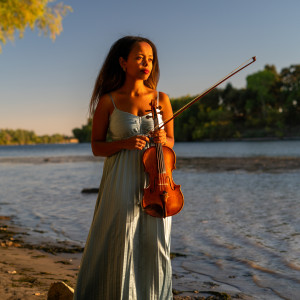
[[203, 149], [245, 226], [45, 150], [238, 149], [239, 229]]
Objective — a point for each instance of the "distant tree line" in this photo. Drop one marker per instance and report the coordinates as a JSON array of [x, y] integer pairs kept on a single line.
[[269, 106], [23, 137]]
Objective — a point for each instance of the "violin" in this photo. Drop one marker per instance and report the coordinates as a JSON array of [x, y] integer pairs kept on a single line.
[[162, 197]]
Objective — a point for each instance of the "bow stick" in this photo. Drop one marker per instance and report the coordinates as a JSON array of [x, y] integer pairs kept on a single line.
[[181, 110]]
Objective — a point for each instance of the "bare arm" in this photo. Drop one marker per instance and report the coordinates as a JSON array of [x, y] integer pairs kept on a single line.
[[166, 135], [100, 146]]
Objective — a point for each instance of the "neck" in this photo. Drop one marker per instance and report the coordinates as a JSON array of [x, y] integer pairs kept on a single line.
[[133, 87]]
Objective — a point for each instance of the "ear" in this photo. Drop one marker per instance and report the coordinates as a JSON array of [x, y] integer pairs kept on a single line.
[[122, 63]]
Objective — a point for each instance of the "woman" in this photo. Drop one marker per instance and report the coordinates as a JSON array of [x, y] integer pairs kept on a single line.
[[127, 253]]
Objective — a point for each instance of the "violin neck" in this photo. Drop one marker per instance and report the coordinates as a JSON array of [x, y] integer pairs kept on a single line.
[[159, 148], [160, 159]]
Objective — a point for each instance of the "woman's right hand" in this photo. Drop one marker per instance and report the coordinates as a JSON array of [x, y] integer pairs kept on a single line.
[[136, 142]]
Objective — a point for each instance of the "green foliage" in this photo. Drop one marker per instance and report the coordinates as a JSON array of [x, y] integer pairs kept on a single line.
[[24, 137], [290, 90], [268, 107], [84, 133], [17, 15]]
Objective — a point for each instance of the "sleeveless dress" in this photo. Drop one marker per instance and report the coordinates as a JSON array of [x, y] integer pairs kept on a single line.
[[127, 253]]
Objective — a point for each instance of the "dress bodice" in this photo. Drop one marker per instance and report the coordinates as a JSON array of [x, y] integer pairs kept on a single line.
[[123, 124]]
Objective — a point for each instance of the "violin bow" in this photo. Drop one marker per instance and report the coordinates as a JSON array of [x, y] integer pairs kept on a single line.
[[181, 110]]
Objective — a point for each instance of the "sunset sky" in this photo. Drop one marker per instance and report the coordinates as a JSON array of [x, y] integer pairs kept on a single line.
[[45, 86]]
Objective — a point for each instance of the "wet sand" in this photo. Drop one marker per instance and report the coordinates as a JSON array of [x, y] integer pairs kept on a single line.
[[207, 164], [25, 271], [249, 164]]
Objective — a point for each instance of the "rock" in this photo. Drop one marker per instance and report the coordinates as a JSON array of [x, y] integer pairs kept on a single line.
[[9, 243], [90, 191], [60, 291]]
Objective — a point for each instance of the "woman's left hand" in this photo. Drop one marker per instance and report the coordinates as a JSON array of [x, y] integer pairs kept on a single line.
[[159, 136]]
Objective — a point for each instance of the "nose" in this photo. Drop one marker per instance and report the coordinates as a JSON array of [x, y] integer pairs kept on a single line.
[[145, 62]]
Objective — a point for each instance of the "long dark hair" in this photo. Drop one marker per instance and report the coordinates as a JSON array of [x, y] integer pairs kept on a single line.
[[111, 76]]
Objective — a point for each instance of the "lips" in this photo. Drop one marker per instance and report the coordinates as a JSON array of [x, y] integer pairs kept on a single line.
[[145, 71]]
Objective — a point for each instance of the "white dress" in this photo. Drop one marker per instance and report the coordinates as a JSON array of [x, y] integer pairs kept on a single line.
[[127, 253]]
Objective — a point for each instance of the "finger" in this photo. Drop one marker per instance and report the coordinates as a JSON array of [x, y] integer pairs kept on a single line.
[[144, 138], [160, 139], [160, 133], [140, 144]]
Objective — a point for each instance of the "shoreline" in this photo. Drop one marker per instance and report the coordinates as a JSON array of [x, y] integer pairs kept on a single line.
[[245, 139], [28, 269], [248, 164], [205, 164]]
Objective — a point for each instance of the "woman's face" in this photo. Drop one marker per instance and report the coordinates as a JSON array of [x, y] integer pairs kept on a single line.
[[139, 62]]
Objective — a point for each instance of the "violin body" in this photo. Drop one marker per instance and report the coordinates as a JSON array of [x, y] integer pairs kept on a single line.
[[162, 197]]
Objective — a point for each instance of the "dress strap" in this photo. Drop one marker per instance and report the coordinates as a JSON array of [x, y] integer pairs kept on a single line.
[[112, 100]]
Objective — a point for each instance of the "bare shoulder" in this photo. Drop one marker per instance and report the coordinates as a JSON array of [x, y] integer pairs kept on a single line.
[[163, 96], [165, 103], [104, 105], [164, 99]]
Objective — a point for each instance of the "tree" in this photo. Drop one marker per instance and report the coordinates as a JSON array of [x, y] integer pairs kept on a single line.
[[84, 133], [233, 100], [290, 78], [17, 15], [264, 83]]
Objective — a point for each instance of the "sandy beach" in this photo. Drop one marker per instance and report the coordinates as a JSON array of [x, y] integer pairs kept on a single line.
[[26, 272]]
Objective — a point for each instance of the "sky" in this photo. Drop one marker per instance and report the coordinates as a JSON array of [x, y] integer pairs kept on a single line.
[[46, 86]]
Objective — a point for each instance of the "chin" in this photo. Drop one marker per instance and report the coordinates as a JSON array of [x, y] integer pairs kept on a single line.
[[145, 77]]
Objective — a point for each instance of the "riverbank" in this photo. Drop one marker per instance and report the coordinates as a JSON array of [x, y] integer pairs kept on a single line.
[[207, 164], [26, 271]]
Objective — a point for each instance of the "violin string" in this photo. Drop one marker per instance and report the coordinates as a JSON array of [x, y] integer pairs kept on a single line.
[[154, 113], [162, 168], [159, 151], [160, 165]]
